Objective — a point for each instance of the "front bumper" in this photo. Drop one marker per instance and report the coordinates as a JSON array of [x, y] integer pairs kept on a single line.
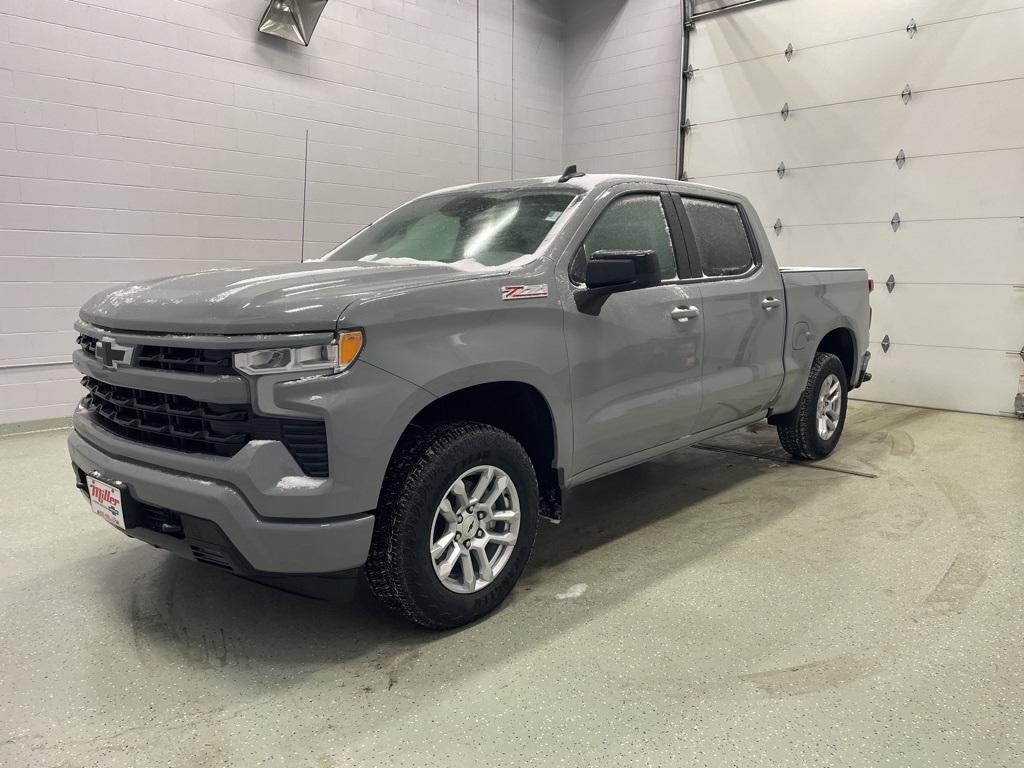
[[256, 504], [212, 522]]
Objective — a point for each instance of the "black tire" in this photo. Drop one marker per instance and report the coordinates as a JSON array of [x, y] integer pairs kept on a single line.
[[399, 568], [798, 429]]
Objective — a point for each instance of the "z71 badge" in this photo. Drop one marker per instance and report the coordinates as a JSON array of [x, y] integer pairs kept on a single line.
[[511, 292]]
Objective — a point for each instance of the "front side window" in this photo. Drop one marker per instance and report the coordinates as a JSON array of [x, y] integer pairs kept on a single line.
[[631, 223], [721, 237], [460, 228]]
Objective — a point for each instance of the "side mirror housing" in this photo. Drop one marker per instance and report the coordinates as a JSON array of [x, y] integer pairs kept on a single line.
[[615, 271]]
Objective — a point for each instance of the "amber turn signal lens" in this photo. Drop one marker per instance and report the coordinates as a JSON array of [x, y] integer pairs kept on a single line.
[[350, 344]]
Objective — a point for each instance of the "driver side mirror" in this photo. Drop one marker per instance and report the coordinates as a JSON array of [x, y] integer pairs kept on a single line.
[[614, 271]]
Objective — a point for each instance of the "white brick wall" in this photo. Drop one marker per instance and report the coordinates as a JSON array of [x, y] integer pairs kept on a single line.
[[534, 90], [622, 68], [147, 137]]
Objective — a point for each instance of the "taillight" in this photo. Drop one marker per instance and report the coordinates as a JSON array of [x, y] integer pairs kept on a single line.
[[871, 285]]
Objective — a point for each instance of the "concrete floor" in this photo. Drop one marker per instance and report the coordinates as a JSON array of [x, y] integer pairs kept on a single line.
[[704, 609]]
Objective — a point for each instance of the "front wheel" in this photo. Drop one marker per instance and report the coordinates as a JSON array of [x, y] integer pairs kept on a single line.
[[455, 526], [813, 428]]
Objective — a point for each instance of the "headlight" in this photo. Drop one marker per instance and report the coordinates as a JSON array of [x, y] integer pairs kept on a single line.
[[334, 357]]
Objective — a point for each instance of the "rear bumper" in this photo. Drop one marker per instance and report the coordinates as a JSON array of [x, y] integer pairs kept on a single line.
[[862, 375], [211, 521]]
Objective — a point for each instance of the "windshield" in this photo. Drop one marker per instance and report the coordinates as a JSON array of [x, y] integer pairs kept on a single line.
[[461, 228]]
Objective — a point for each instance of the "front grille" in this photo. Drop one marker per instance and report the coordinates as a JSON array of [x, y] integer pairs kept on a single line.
[[183, 424], [180, 359], [208, 361], [88, 345]]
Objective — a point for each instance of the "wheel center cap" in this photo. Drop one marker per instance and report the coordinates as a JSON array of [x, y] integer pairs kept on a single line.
[[469, 525]]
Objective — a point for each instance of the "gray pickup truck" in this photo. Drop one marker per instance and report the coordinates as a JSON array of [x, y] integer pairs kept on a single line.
[[417, 399]]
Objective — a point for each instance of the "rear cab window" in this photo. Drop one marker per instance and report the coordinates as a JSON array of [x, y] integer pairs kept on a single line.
[[719, 238]]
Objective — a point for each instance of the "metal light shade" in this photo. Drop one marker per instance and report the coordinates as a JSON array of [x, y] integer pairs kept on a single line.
[[292, 19]]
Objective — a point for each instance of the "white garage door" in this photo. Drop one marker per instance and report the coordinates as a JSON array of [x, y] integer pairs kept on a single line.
[[813, 139]]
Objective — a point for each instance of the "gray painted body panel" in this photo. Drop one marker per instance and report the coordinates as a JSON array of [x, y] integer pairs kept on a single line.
[[743, 343], [632, 459], [635, 372], [622, 385], [365, 410], [276, 299], [820, 301], [322, 546]]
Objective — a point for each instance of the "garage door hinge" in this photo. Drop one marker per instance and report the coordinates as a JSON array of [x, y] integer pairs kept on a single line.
[[777, 226], [894, 222], [781, 170], [785, 111], [688, 71], [901, 159], [789, 52], [890, 283], [886, 343], [912, 28], [685, 127], [1018, 354], [906, 93]]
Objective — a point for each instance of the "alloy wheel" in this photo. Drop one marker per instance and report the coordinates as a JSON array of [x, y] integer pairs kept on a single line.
[[475, 529], [830, 401]]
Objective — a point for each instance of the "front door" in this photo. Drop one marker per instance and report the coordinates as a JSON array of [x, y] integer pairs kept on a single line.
[[635, 359], [744, 312]]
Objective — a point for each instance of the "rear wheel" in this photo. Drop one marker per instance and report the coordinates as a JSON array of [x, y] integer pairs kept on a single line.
[[455, 526], [813, 428]]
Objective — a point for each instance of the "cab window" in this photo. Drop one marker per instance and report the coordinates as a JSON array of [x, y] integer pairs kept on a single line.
[[631, 223]]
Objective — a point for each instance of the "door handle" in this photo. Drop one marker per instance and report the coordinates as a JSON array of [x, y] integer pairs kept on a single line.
[[770, 303], [682, 314]]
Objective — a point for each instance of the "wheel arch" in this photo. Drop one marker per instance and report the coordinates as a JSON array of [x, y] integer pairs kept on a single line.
[[841, 342], [515, 406]]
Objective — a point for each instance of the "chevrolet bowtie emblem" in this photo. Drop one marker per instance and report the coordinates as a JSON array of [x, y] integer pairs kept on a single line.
[[112, 354]]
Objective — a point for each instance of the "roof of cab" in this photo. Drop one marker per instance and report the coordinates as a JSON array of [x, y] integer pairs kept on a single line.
[[585, 183]]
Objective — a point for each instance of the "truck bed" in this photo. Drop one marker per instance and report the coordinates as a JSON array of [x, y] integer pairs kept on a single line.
[[819, 300]]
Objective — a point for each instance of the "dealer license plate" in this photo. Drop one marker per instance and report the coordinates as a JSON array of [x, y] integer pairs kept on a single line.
[[106, 501]]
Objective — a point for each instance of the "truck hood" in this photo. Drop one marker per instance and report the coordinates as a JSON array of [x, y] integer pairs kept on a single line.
[[285, 298]]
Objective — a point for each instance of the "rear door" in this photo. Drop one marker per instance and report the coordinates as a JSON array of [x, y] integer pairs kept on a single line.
[[744, 310], [634, 356]]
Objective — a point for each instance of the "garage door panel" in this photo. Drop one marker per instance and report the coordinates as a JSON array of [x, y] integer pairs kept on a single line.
[[940, 377], [980, 251], [821, 195], [767, 28], [847, 133], [980, 316], [936, 188], [957, 251], [975, 50]]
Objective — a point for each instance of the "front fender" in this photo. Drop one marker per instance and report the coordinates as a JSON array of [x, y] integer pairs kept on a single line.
[[496, 372]]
